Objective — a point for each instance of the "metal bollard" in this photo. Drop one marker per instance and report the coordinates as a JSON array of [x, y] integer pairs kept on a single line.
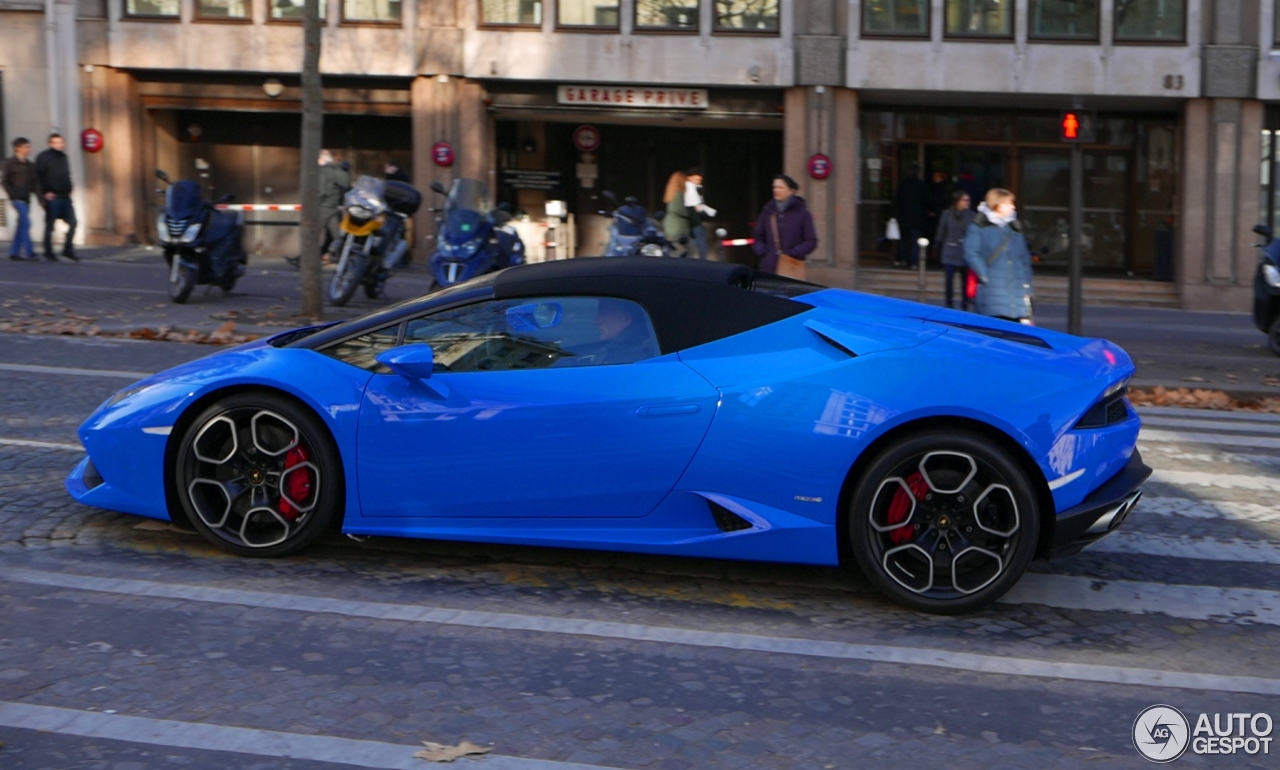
[[923, 244]]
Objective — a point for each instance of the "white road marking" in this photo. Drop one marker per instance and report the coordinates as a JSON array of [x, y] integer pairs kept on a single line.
[[52, 286], [1220, 439], [1217, 480], [1246, 605], [1206, 509], [73, 372], [241, 740], [40, 444], [1210, 425], [1040, 589], [1183, 547], [1208, 414]]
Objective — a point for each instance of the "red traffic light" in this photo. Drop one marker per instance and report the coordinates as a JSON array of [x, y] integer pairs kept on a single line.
[[1077, 126], [1070, 126]]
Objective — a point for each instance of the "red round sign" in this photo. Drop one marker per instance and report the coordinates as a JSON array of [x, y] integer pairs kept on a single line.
[[586, 138], [819, 166], [91, 140], [442, 154]]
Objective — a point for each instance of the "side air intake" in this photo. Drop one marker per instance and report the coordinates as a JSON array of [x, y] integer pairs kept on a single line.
[[727, 520]]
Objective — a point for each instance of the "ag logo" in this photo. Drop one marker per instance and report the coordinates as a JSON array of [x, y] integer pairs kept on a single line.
[[1160, 733]]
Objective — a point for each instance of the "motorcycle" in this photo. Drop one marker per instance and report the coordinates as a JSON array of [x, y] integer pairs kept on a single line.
[[633, 232], [202, 246], [474, 239], [375, 214], [1266, 288]]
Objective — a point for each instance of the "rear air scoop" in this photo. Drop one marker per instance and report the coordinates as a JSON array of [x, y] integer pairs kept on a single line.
[[867, 334]]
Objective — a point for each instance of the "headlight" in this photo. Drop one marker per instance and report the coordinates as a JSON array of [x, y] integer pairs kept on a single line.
[[1116, 388], [1272, 275], [470, 247], [651, 250], [360, 212], [122, 395], [191, 232], [162, 229]]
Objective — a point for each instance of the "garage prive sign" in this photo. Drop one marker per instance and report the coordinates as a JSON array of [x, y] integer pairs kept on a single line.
[[633, 96]]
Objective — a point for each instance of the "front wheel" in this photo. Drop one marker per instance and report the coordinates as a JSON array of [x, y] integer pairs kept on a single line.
[[1273, 335], [258, 475], [944, 522], [347, 277], [182, 279]]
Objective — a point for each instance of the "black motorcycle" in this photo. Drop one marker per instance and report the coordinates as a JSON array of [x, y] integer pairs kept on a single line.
[[634, 233], [375, 215], [1266, 289], [202, 246]]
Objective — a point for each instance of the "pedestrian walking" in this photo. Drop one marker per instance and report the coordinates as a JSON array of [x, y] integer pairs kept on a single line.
[[675, 222], [334, 183], [952, 227], [19, 181], [53, 184], [785, 234], [911, 209], [996, 251], [698, 213]]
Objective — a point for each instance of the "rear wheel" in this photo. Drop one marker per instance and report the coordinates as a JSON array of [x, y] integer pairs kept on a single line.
[[258, 475], [944, 522]]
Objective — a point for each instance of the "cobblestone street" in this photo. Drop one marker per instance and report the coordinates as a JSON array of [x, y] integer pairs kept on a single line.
[[128, 644]]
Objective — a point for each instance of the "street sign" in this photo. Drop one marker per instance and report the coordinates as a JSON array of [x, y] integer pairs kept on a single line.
[[531, 179], [819, 166], [442, 154], [91, 140], [1078, 127], [586, 138]]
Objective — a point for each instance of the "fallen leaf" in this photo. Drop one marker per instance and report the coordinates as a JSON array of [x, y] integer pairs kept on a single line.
[[441, 752]]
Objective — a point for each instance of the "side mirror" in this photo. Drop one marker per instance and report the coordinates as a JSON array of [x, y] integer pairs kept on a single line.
[[413, 362], [438, 188], [534, 316], [163, 177], [226, 198]]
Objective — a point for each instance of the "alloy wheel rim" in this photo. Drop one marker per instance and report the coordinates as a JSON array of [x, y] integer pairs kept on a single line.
[[944, 525], [251, 477]]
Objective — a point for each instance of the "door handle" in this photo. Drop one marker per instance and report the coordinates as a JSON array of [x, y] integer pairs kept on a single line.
[[668, 410]]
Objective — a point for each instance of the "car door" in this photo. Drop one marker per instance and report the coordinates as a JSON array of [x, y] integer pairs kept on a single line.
[[548, 407]]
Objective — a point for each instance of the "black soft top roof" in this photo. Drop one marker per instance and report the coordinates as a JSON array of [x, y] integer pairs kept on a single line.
[[691, 302]]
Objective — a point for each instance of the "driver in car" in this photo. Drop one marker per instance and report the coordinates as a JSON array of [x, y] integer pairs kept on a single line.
[[624, 338]]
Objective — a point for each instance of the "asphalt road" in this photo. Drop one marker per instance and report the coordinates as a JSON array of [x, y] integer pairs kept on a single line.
[[129, 646]]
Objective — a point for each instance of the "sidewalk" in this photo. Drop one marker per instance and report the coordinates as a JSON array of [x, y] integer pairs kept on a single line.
[[123, 290]]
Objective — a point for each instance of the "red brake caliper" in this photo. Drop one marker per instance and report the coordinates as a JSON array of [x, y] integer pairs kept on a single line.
[[297, 484], [900, 506]]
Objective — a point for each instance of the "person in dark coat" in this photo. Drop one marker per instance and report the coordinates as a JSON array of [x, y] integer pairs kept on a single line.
[[788, 217], [19, 181], [995, 249], [952, 227], [911, 207], [53, 184], [334, 183], [394, 173]]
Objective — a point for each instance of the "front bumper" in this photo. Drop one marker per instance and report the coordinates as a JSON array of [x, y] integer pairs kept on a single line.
[[1101, 512]]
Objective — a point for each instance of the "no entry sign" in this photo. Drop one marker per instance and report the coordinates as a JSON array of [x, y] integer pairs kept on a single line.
[[819, 166], [586, 138], [442, 154], [91, 140]]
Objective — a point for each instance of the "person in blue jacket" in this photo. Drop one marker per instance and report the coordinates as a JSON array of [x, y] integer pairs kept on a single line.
[[996, 251]]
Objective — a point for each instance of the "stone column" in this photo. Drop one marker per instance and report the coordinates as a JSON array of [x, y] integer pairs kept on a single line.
[[453, 110]]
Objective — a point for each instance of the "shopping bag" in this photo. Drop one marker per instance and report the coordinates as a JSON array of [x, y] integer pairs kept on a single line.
[[970, 285], [892, 231], [790, 267]]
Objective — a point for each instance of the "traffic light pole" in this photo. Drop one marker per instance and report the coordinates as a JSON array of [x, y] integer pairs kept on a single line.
[[1074, 257]]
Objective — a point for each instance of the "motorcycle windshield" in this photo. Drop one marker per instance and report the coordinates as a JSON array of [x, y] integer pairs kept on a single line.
[[469, 194], [182, 200], [366, 193], [462, 225], [631, 219]]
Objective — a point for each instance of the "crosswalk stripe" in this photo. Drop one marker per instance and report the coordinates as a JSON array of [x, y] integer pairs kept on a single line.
[[1210, 425], [1206, 509], [911, 656], [1245, 605], [1218, 439], [1209, 414], [1183, 547], [1218, 480]]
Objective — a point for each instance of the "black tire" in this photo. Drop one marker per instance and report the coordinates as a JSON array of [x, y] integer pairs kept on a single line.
[[344, 282], [926, 529], [180, 286], [1273, 335], [253, 513]]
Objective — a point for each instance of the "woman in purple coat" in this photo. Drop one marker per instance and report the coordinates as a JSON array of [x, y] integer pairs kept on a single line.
[[785, 234]]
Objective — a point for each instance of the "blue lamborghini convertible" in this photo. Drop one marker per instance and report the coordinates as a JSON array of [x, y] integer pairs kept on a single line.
[[646, 405]]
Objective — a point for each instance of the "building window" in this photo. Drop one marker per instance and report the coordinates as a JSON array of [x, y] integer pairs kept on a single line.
[[292, 9], [523, 12], [747, 15], [1156, 20], [386, 11], [1071, 19], [667, 14], [896, 17], [979, 18], [588, 13], [223, 9], [152, 8]]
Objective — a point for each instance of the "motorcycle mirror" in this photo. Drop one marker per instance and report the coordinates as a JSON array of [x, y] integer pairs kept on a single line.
[[439, 188], [1262, 230], [226, 198], [609, 197], [721, 232], [632, 200], [504, 206], [161, 175]]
